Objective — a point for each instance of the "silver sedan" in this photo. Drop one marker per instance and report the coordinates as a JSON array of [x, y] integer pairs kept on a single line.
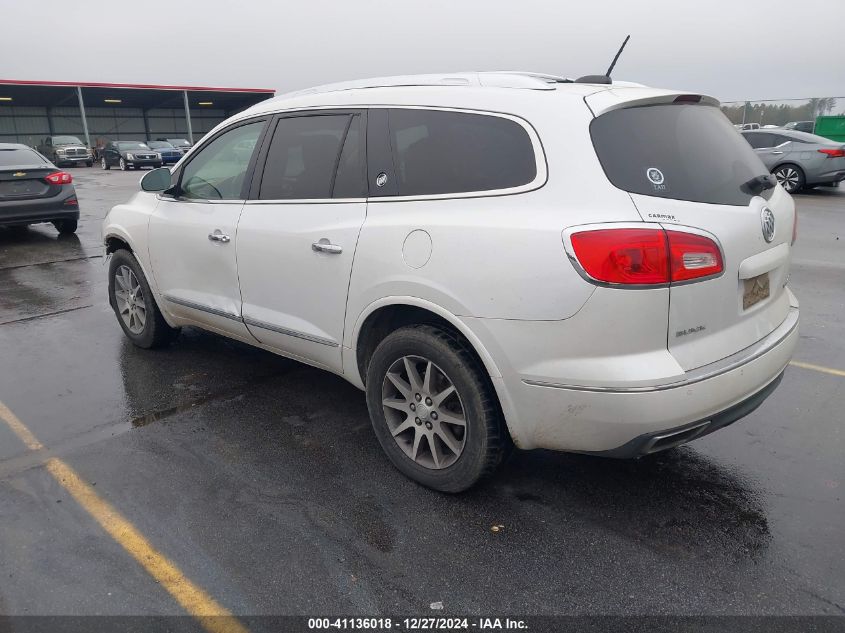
[[798, 159]]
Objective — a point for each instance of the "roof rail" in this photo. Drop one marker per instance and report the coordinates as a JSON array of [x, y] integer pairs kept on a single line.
[[497, 79]]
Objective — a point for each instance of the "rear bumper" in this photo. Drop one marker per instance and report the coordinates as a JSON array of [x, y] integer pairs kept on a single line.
[[830, 176], [622, 420], [40, 209], [661, 440]]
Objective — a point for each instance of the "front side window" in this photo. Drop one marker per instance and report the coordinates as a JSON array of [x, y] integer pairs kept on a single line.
[[217, 172], [308, 158], [441, 152]]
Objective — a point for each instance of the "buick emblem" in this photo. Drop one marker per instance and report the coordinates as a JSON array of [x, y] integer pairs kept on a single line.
[[381, 180], [767, 219]]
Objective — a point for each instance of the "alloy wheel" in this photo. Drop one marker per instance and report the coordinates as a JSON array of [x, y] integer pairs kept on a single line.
[[129, 297], [424, 412], [788, 178]]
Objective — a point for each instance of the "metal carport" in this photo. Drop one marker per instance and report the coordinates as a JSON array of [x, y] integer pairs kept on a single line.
[[31, 110]]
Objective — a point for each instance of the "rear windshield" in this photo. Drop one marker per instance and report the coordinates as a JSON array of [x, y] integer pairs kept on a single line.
[[14, 157], [679, 151]]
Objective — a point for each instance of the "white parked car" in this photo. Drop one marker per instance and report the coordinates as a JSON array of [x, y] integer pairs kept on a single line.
[[497, 259]]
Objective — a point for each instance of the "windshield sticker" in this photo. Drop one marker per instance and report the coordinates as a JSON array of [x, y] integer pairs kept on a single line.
[[658, 181]]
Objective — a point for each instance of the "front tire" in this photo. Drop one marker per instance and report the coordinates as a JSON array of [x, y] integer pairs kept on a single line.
[[790, 177], [133, 303], [104, 163], [123, 165], [89, 163], [433, 409]]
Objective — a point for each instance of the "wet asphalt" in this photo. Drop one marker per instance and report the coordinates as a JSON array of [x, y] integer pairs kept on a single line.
[[261, 479]]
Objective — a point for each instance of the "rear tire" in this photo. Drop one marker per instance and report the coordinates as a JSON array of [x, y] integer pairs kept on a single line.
[[447, 443], [790, 177], [134, 305], [66, 227]]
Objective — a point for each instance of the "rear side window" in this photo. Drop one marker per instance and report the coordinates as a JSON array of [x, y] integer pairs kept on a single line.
[[440, 152], [759, 140], [305, 154], [679, 151]]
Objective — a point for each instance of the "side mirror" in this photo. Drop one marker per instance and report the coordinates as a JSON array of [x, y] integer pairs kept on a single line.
[[156, 180]]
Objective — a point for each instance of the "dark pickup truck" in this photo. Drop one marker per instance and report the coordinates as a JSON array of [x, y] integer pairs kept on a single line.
[[64, 150]]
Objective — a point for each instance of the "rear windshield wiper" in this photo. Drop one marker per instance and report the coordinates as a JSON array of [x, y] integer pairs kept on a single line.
[[759, 184]]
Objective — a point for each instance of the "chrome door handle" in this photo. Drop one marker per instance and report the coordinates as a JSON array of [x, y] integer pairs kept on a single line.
[[777, 152], [218, 236], [324, 246]]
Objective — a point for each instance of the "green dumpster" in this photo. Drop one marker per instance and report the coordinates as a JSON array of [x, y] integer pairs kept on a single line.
[[832, 127]]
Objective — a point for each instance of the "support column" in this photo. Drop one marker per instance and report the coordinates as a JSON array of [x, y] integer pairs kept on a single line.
[[147, 136], [82, 114], [188, 117]]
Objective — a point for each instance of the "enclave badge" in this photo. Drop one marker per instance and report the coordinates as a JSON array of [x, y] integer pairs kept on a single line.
[[767, 219]]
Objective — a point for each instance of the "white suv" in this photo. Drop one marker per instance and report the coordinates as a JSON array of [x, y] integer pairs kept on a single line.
[[497, 259]]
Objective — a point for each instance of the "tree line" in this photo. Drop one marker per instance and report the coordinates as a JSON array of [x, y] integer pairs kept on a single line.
[[779, 113]]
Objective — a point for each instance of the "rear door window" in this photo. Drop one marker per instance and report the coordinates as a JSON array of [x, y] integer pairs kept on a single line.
[[442, 152], [680, 151], [305, 154], [760, 140]]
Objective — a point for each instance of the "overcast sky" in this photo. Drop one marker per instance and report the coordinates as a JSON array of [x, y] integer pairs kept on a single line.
[[737, 49]]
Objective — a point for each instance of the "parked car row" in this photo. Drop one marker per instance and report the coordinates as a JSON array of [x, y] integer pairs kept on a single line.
[[136, 154], [70, 150]]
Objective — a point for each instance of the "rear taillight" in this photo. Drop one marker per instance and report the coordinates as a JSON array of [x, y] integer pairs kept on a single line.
[[623, 256], [693, 256], [60, 178], [833, 153], [633, 256]]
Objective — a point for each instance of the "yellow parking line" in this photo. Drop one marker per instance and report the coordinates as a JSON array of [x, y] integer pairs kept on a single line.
[[19, 428], [211, 615], [824, 370]]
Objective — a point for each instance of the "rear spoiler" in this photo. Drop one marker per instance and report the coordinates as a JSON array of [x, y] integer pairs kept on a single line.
[[627, 97]]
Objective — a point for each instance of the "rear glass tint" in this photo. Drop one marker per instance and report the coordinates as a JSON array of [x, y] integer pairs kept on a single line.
[[679, 151], [441, 152], [13, 157]]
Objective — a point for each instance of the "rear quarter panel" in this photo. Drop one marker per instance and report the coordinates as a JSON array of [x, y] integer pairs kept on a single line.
[[495, 257]]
